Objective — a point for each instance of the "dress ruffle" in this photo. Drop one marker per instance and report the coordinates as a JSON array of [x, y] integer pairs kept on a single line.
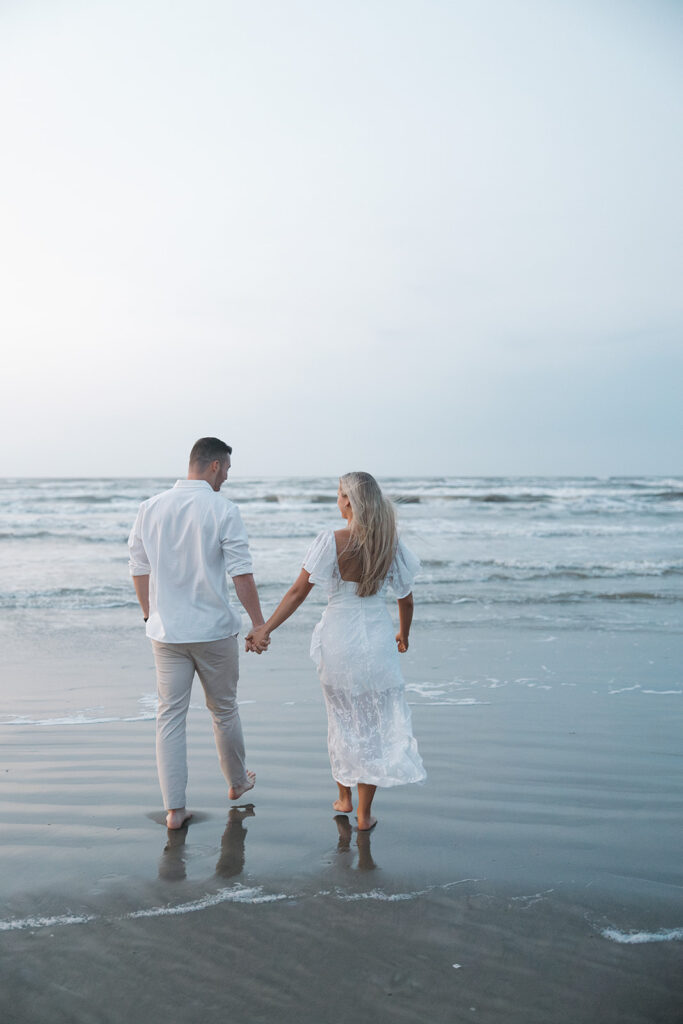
[[370, 738]]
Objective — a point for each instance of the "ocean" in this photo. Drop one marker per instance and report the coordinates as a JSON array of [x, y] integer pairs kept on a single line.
[[594, 554]]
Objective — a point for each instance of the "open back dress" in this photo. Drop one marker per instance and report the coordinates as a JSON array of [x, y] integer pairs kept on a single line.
[[370, 737]]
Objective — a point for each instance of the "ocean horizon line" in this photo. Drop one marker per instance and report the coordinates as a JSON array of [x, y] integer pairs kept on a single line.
[[600, 478]]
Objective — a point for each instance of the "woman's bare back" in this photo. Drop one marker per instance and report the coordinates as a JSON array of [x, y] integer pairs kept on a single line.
[[349, 565]]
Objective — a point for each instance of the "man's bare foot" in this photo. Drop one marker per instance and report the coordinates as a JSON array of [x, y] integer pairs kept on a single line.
[[365, 824], [235, 792], [177, 817]]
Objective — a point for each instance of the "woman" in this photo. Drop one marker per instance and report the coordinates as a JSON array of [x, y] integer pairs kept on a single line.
[[370, 738]]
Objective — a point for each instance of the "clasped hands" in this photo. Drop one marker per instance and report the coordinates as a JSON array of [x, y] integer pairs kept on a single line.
[[257, 640]]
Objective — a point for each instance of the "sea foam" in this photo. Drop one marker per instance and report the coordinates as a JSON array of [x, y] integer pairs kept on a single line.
[[234, 895], [35, 923], [253, 895], [636, 938]]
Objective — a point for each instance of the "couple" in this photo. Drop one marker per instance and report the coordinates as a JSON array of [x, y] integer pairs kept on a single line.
[[181, 546]]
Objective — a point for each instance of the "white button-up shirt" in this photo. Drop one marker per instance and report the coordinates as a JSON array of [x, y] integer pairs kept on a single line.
[[185, 540]]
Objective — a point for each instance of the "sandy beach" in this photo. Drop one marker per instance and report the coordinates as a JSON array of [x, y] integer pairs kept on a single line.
[[536, 876]]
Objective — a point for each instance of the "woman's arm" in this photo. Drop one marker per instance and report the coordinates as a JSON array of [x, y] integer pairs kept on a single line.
[[296, 595], [405, 617]]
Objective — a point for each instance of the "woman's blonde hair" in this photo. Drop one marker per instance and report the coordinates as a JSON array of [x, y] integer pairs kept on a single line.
[[372, 528]]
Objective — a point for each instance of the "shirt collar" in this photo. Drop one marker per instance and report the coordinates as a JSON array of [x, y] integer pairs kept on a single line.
[[193, 484]]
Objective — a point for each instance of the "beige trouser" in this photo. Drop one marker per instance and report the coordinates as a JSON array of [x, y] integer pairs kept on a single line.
[[216, 662]]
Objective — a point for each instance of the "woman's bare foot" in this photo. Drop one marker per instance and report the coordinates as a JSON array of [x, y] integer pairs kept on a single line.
[[366, 794], [177, 817], [345, 802], [235, 792]]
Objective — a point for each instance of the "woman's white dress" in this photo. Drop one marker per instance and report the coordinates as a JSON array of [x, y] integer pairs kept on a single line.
[[370, 737]]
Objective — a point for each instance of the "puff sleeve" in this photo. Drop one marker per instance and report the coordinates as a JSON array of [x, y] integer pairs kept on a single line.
[[321, 558], [403, 570]]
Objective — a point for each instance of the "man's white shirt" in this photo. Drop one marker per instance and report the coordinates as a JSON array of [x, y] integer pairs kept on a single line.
[[186, 540]]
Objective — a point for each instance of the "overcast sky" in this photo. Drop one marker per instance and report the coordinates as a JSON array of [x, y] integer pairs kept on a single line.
[[407, 236]]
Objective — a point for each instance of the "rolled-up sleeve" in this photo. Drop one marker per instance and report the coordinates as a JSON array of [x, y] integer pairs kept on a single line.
[[138, 563], [235, 544]]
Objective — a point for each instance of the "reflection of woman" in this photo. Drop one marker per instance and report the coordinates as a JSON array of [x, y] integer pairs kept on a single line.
[[370, 738]]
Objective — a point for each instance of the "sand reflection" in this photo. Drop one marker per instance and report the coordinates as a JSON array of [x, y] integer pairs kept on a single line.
[[231, 860], [365, 860], [172, 864], [230, 863]]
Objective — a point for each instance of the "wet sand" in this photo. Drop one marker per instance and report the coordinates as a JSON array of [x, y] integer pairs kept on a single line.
[[448, 956], [541, 858]]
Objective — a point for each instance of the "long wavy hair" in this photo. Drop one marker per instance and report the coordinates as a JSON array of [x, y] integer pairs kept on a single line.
[[372, 528]]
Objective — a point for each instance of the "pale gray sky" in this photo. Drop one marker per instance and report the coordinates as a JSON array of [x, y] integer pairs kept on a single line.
[[408, 236]]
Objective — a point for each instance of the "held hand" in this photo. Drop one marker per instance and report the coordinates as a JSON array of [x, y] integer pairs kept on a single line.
[[402, 642], [250, 647], [258, 640]]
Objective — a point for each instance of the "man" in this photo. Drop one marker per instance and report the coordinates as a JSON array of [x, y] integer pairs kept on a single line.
[[183, 542]]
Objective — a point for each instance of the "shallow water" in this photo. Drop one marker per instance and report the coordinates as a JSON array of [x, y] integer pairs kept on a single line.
[[564, 777]]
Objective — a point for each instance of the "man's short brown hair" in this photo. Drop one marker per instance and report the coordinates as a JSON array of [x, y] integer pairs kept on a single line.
[[207, 449]]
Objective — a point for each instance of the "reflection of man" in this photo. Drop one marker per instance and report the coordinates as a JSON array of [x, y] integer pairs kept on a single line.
[[183, 542], [231, 861]]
